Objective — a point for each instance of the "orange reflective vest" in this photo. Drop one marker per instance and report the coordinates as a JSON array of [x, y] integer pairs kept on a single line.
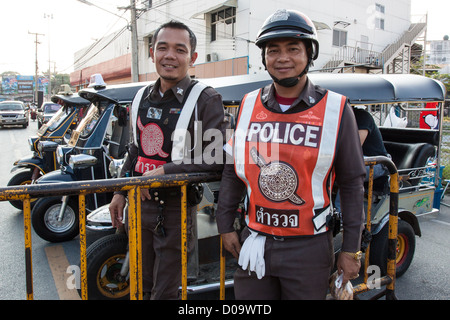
[[286, 161]]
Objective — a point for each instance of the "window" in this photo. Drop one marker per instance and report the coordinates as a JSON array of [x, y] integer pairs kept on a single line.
[[223, 23], [379, 23], [379, 7], [339, 38], [364, 42]]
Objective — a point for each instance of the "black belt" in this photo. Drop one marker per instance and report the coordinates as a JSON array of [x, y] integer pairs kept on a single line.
[[165, 193]]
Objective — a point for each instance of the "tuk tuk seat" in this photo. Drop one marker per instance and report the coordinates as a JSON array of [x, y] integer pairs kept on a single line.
[[410, 155], [119, 136]]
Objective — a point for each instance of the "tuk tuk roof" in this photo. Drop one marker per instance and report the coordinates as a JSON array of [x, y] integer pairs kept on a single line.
[[358, 88], [382, 88], [122, 93], [73, 99]]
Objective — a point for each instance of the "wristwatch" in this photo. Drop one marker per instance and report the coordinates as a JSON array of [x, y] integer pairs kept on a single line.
[[356, 255]]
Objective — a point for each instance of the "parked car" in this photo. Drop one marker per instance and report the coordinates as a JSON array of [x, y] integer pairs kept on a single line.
[[46, 112], [13, 113]]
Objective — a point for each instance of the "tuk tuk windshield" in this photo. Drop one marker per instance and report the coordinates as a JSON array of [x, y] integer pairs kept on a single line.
[[54, 122], [86, 125]]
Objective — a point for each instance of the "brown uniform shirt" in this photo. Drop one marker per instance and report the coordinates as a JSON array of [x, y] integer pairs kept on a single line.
[[348, 165]]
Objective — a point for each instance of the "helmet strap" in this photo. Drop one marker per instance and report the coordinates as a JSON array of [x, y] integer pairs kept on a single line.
[[292, 81]]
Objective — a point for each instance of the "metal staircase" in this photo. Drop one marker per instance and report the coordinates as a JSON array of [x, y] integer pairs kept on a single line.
[[395, 58]]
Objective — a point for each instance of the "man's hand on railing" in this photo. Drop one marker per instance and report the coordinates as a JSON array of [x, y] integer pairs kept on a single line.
[[116, 210], [145, 194]]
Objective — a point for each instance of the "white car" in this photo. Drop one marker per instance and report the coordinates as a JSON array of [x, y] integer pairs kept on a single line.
[[13, 113]]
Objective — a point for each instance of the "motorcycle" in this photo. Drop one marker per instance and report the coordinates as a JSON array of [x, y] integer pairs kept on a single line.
[[33, 113], [43, 146], [98, 139]]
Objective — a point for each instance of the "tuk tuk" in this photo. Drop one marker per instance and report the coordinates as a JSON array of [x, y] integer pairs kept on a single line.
[[413, 147], [414, 150], [43, 146], [98, 140]]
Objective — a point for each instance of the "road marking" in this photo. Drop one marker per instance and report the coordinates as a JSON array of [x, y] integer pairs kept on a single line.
[[442, 222], [58, 265]]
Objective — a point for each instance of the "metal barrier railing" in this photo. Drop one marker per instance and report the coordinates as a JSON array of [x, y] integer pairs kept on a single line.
[[389, 279], [133, 187]]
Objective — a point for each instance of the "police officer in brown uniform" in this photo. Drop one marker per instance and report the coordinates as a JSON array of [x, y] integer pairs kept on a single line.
[[173, 110], [292, 140]]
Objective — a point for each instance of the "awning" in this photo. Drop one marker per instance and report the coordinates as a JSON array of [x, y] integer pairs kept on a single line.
[[321, 25], [228, 3]]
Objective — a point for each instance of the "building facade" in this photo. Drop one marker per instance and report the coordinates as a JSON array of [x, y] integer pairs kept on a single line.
[[439, 54], [365, 35]]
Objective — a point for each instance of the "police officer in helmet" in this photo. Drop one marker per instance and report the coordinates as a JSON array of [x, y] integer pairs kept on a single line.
[[286, 249]]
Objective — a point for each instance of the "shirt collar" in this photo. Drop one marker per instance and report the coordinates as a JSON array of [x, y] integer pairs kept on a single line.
[[307, 98], [179, 90]]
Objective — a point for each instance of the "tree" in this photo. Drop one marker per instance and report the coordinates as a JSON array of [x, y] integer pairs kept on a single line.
[[59, 79], [10, 74], [444, 78]]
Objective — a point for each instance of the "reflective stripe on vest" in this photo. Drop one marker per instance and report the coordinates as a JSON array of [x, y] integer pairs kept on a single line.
[[295, 200]]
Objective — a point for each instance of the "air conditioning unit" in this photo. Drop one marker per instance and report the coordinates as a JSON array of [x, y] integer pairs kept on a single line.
[[212, 57]]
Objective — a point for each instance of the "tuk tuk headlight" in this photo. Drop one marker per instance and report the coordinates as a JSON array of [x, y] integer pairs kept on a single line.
[[47, 146], [81, 161]]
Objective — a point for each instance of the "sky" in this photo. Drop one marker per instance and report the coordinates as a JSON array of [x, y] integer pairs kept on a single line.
[[67, 26]]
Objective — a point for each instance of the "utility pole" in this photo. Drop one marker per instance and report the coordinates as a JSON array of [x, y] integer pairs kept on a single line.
[[35, 97], [134, 40], [134, 44], [49, 88]]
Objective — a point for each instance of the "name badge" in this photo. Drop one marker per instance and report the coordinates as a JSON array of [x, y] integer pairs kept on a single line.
[[175, 111], [154, 113]]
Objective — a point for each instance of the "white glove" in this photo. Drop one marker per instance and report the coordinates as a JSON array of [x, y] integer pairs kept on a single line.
[[252, 254]]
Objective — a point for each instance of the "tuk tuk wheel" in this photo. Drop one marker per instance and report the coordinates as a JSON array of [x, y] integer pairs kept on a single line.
[[44, 218], [105, 258], [406, 244], [20, 179]]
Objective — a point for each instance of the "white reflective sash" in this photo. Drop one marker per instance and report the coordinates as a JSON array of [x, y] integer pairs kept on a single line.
[[240, 135], [326, 154], [180, 133], [134, 111]]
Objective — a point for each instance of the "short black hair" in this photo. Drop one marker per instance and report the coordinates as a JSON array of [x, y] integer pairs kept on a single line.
[[177, 25]]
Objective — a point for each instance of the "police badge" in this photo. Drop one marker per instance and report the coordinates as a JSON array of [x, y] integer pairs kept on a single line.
[[154, 113], [280, 15]]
